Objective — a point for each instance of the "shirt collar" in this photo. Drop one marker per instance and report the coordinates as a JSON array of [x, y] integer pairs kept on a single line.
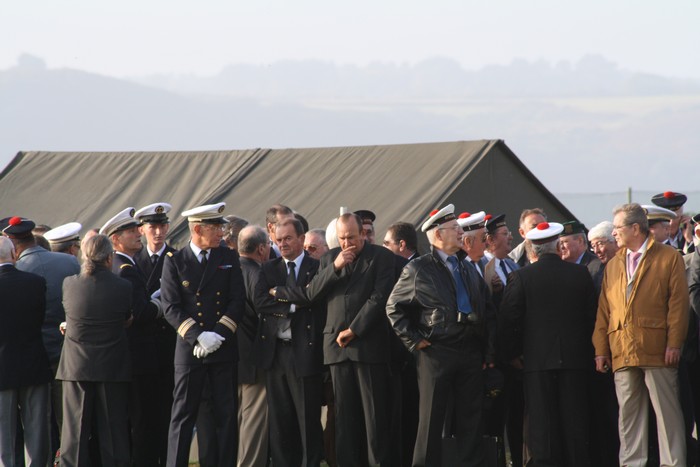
[[159, 252], [297, 261], [443, 256], [126, 256], [642, 249], [195, 249]]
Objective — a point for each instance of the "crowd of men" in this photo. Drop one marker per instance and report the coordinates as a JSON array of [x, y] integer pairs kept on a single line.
[[116, 352]]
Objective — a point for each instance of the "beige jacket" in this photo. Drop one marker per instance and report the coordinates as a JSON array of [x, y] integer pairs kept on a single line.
[[636, 331]]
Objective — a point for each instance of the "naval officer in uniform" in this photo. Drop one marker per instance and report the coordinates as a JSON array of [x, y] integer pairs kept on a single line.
[[65, 238], [154, 226], [123, 232], [203, 297]]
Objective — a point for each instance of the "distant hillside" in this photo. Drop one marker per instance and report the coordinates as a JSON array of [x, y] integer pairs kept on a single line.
[[592, 76], [589, 137]]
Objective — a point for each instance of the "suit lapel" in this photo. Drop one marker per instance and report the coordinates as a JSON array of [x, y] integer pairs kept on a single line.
[[213, 262], [192, 268], [282, 271], [361, 266], [304, 276]]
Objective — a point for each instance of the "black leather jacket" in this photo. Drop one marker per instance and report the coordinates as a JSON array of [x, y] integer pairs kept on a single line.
[[423, 305]]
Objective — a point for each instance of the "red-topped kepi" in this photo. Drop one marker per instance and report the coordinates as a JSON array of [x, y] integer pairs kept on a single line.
[[545, 232], [439, 216], [470, 222]]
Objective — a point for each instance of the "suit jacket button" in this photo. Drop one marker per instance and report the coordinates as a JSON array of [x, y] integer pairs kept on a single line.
[[218, 303], [308, 326], [218, 313], [263, 337], [199, 303], [264, 320], [218, 293], [197, 294], [199, 314], [311, 343], [201, 324]]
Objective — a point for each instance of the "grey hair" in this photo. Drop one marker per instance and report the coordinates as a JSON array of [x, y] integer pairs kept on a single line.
[[472, 233], [7, 248], [634, 214], [544, 248], [250, 238], [319, 232], [96, 251], [602, 230]]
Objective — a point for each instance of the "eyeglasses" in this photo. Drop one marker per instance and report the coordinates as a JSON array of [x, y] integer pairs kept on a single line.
[[220, 227], [311, 248], [456, 228], [600, 244], [620, 227]]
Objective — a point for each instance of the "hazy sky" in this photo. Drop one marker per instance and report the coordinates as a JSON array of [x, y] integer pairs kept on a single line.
[[135, 37]]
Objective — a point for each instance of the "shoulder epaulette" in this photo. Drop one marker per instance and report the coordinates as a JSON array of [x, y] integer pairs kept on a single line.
[[170, 253], [125, 265]]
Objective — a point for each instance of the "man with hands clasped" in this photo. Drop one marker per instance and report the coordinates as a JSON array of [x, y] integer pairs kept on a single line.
[[203, 298]]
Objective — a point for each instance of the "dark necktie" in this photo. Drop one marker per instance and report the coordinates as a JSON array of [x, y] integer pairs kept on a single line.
[[291, 278], [463, 302], [505, 271], [154, 259], [204, 259]]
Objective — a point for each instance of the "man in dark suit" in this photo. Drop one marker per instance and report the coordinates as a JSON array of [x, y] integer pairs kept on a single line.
[[546, 320], [402, 240], [53, 267], [203, 295], [288, 347], [438, 308], [96, 363], [276, 213], [154, 226], [123, 232], [254, 247], [574, 247], [499, 265], [355, 281], [24, 365]]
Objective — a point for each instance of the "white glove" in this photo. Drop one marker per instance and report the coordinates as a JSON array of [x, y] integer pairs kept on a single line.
[[159, 307], [210, 341], [155, 294], [199, 351], [62, 328]]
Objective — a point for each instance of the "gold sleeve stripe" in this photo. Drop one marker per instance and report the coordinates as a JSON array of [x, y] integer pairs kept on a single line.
[[125, 266], [185, 326], [229, 323]]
